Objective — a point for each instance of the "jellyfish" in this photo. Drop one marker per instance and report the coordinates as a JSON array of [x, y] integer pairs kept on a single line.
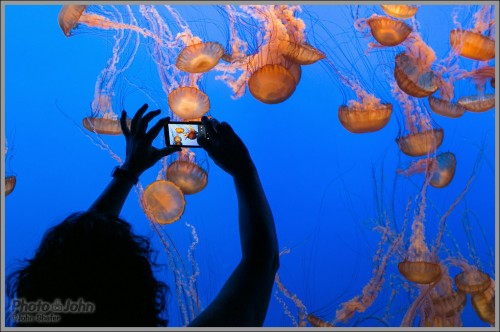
[[186, 173], [475, 42], [178, 140], [446, 108], [72, 17], [400, 11], [363, 117], [472, 281], [179, 130], [388, 32], [440, 169], [188, 102], [272, 71], [484, 303], [191, 134], [478, 103], [412, 79], [163, 202], [199, 58], [10, 184], [422, 136]]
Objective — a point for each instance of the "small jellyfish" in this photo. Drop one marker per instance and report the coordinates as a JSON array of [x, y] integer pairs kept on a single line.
[[446, 108], [302, 54], [364, 118], [421, 143], [104, 125], [472, 281], [388, 32], [420, 272], [199, 58], [186, 173], [10, 184], [192, 134], [411, 79], [69, 16], [400, 11], [441, 169], [484, 303], [179, 130], [163, 202], [478, 103], [272, 84], [188, 102], [472, 45], [178, 140]]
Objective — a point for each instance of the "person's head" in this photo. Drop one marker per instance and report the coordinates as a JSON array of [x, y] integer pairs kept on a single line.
[[98, 259]]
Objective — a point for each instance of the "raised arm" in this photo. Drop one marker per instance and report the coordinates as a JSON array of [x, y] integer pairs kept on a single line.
[[244, 298], [140, 156]]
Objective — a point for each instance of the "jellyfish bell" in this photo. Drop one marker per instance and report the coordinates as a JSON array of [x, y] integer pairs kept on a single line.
[[186, 173], [200, 57], [411, 80], [421, 143], [362, 118], [445, 170], [188, 102], [388, 32], [484, 303], [163, 202], [420, 272], [69, 16], [400, 11], [10, 184], [302, 54], [472, 281], [472, 45], [272, 84], [446, 108], [103, 125], [477, 103]]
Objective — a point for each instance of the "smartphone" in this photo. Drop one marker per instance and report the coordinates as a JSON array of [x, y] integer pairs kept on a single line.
[[184, 134]]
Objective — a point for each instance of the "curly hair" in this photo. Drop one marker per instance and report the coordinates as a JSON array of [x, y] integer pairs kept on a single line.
[[96, 258]]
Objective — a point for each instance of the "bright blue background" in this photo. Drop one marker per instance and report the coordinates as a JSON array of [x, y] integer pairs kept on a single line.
[[317, 176]]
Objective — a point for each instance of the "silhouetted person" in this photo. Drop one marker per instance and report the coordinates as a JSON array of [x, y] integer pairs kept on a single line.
[[95, 257]]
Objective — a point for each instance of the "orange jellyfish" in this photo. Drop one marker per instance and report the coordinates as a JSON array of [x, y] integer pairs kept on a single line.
[[200, 57], [178, 140], [440, 169], [420, 272], [446, 108], [472, 45], [188, 102], [484, 303], [400, 11], [478, 103], [71, 17], [272, 84], [191, 134], [421, 136], [272, 71], [163, 202], [179, 130], [388, 32], [186, 173], [10, 184], [367, 116], [472, 281], [412, 79]]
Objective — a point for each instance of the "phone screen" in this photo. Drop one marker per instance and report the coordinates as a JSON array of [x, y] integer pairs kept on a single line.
[[184, 134]]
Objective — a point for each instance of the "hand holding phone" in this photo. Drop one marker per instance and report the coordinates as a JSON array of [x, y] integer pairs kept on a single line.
[[184, 134]]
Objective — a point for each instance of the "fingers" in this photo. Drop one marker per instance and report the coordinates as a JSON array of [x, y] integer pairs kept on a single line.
[[206, 144], [155, 130], [123, 124], [143, 123], [138, 115], [210, 126]]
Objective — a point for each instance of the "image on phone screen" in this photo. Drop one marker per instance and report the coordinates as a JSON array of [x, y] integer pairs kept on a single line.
[[184, 134]]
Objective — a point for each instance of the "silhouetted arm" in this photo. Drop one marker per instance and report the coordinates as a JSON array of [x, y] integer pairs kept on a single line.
[[141, 155], [244, 298]]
